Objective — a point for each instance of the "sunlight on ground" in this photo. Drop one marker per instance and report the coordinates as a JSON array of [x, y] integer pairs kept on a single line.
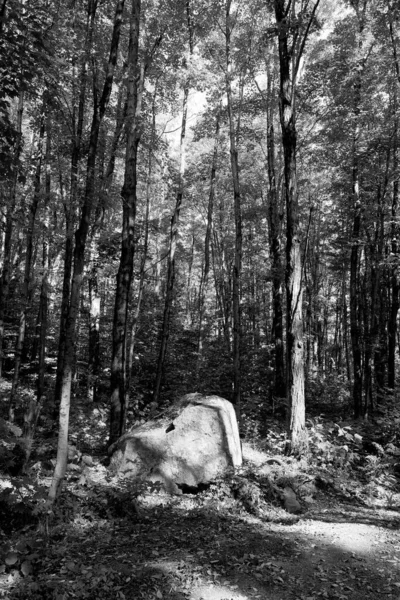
[[351, 537], [217, 592], [354, 537]]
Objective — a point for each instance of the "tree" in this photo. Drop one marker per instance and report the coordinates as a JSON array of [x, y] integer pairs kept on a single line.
[[99, 109], [291, 44]]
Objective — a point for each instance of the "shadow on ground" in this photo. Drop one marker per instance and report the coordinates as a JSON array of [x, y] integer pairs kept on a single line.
[[186, 551]]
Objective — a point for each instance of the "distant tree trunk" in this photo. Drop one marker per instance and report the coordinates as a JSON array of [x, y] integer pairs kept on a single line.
[[223, 279], [174, 229], [356, 330], [35, 404], [207, 243], [275, 227], [355, 325], [142, 272], [376, 351], [173, 240], [28, 269], [70, 205], [5, 274], [44, 289], [395, 288], [94, 334], [237, 267], [345, 326], [124, 276], [99, 108]]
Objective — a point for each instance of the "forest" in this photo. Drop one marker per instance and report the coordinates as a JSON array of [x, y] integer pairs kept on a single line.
[[198, 196]]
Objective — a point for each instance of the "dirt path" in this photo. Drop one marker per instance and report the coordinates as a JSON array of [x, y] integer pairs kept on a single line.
[[182, 552], [335, 558], [205, 547]]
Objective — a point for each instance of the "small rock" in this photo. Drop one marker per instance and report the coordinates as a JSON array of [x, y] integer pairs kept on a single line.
[[290, 501]]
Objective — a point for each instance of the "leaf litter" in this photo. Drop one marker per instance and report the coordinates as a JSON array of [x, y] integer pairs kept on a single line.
[[234, 541]]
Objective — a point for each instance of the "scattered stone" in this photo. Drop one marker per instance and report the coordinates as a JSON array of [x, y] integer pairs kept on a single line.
[[290, 502]]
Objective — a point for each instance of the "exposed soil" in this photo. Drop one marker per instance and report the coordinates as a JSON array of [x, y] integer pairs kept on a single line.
[[203, 547]]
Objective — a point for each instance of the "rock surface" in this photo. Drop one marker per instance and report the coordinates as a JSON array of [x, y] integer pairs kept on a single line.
[[190, 444]]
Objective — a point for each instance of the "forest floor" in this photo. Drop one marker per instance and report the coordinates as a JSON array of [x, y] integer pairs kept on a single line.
[[236, 540]]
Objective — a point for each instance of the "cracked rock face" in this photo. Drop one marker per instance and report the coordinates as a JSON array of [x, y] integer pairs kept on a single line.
[[189, 445]]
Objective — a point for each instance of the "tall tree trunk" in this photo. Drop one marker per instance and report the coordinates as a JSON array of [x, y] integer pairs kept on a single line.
[[289, 62], [6, 274], [174, 229], [173, 240], [207, 243], [237, 267], [28, 268], [70, 205], [94, 334], [395, 288], [128, 193], [275, 226], [99, 108], [35, 404], [142, 272], [356, 330]]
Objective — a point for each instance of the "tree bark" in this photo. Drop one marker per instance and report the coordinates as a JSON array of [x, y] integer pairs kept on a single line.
[[275, 227], [173, 240], [70, 206], [28, 269], [237, 267], [174, 229], [129, 198], [99, 109], [94, 335], [395, 287], [207, 248], [289, 63], [9, 226], [356, 329]]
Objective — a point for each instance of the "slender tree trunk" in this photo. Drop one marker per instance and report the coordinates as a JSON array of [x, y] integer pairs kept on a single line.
[[99, 109], [174, 229], [207, 243], [128, 193], [44, 290], [142, 272], [35, 404], [94, 335], [395, 288], [27, 271], [9, 226], [237, 267], [355, 299], [275, 226], [173, 240], [70, 205]]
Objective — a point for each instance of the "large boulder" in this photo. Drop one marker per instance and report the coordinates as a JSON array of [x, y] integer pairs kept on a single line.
[[190, 444]]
